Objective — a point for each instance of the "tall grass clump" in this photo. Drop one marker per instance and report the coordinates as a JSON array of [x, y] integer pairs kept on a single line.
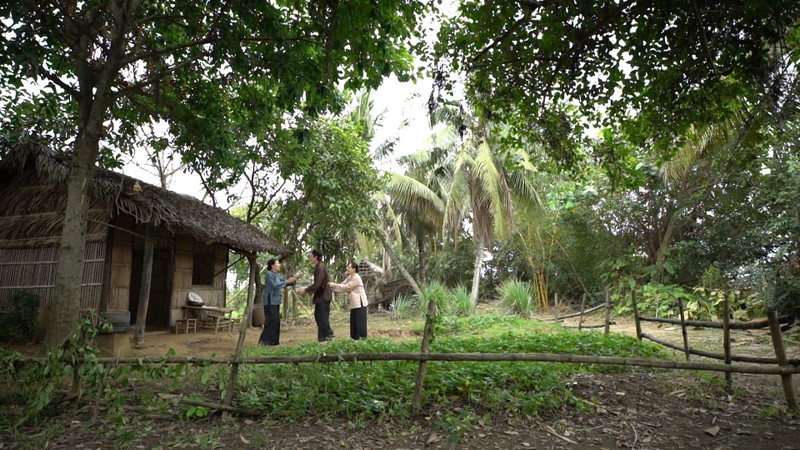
[[457, 302], [433, 291], [404, 307], [517, 297]]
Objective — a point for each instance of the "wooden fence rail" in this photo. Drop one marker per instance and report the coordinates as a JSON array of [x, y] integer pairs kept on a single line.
[[480, 357], [752, 325], [721, 356]]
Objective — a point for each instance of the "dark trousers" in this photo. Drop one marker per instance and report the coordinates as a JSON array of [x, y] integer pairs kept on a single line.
[[322, 316], [271, 335], [358, 323]]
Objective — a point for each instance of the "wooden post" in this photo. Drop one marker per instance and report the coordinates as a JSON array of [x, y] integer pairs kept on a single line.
[[608, 310], [726, 340], [144, 293], [780, 353], [683, 330], [636, 315], [243, 325], [555, 305], [294, 304], [583, 304], [106, 289], [426, 344]]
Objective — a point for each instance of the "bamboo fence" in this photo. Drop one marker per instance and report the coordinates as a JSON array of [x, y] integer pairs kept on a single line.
[[772, 322]]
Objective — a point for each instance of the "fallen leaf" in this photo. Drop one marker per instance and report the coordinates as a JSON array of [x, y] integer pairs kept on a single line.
[[432, 438], [712, 431], [244, 441]]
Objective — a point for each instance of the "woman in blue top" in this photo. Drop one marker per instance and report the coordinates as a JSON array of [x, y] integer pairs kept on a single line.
[[273, 283]]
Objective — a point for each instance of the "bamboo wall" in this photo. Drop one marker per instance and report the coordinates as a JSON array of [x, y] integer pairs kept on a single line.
[[121, 259], [34, 270]]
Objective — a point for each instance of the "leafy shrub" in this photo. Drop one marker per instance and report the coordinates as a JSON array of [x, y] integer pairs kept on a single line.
[[517, 296], [19, 322]]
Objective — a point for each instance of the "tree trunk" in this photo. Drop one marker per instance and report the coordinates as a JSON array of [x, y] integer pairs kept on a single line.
[[421, 253], [666, 240], [476, 274], [65, 310], [388, 248], [93, 99]]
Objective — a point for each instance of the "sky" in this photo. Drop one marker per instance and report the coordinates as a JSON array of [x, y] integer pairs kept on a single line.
[[396, 100]]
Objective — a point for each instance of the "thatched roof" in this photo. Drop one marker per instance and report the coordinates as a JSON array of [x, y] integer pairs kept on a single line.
[[112, 191]]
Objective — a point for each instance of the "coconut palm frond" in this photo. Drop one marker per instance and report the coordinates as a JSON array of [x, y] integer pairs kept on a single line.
[[391, 222], [524, 190], [699, 143], [458, 200], [409, 193], [493, 189]]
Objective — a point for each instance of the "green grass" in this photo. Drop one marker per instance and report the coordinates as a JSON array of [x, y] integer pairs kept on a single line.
[[383, 389]]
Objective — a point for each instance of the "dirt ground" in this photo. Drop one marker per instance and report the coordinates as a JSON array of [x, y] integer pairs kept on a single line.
[[639, 409]]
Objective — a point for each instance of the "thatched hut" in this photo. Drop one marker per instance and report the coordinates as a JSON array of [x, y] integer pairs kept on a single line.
[[191, 240]]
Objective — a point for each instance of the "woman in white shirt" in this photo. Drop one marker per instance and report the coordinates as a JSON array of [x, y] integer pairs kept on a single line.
[[356, 301]]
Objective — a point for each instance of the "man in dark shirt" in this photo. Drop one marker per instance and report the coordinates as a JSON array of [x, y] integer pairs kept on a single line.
[[323, 295]]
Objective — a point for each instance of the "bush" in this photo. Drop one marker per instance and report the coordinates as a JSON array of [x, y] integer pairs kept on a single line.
[[518, 297], [19, 322]]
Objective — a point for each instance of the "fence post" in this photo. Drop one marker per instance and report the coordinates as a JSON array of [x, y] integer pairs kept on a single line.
[[426, 344], [583, 303], [636, 315], [726, 340], [780, 353], [243, 325], [683, 330], [608, 309], [555, 306]]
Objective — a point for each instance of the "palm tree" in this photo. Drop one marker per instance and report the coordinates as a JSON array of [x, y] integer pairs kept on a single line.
[[479, 187]]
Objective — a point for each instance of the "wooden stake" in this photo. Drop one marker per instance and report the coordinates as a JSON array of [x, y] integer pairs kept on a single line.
[[426, 345], [726, 341], [780, 353], [583, 303], [636, 315], [683, 330], [243, 325], [555, 305], [608, 310]]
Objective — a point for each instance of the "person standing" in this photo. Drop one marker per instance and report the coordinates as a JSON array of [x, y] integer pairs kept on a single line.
[[323, 295], [273, 283], [356, 301]]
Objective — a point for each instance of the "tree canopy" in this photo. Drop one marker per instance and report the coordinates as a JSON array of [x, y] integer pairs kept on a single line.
[[215, 71], [655, 68]]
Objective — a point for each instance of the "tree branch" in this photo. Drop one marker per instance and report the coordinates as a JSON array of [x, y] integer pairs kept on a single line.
[[55, 79]]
